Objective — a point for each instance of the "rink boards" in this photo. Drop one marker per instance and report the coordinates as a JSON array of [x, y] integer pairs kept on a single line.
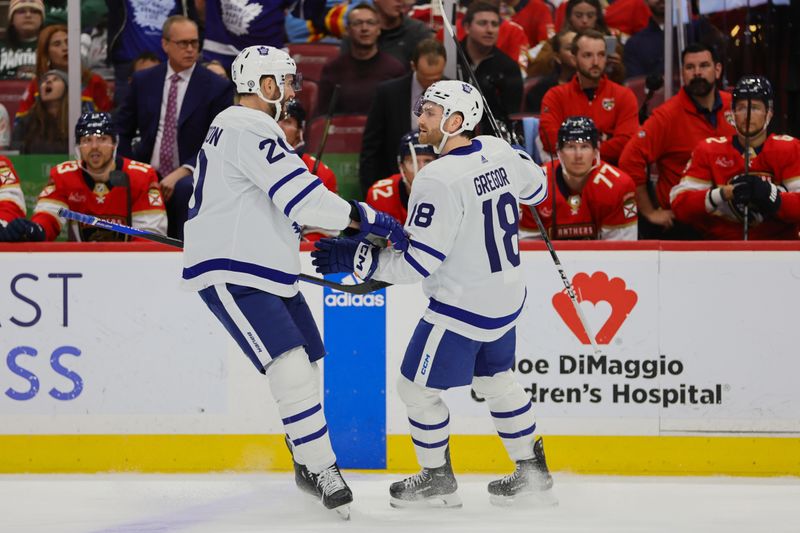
[[109, 366]]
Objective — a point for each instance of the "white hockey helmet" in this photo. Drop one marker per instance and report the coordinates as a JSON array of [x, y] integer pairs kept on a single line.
[[255, 62], [455, 97]]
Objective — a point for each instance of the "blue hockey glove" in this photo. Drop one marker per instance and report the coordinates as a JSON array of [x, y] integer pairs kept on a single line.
[[345, 255], [380, 224], [22, 230]]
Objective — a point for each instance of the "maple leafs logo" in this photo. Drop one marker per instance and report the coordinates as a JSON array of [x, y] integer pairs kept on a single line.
[[595, 289], [238, 14]]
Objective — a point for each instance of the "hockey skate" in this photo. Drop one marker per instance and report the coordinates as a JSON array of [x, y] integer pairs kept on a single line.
[[333, 492], [530, 479], [430, 487], [302, 477]]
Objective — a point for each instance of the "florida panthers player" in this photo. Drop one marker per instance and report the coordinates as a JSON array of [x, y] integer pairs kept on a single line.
[[463, 246], [12, 201], [252, 193], [390, 195], [589, 198], [716, 187]]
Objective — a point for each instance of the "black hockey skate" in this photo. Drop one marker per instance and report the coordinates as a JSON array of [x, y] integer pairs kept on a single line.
[[302, 477], [530, 478], [333, 491], [430, 487]]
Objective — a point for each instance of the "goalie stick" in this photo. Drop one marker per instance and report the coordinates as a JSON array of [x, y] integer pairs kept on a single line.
[[360, 288], [542, 230]]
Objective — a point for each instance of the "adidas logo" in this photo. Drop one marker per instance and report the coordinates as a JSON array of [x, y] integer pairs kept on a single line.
[[484, 160]]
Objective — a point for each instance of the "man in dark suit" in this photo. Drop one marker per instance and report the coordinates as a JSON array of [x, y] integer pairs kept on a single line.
[[391, 114], [171, 107]]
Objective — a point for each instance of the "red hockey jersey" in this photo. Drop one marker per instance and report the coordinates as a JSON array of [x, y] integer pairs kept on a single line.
[[328, 179], [716, 162], [605, 209], [390, 196], [12, 202], [71, 187]]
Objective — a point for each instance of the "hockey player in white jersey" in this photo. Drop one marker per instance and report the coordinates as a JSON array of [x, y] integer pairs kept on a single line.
[[463, 245], [252, 194]]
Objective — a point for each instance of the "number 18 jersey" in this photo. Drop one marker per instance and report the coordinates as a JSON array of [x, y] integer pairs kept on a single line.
[[464, 244]]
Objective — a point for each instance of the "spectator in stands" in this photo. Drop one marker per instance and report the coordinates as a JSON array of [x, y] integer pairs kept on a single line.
[[12, 201], [217, 68], [589, 198], [582, 15], [498, 75], [718, 191], [563, 71], [668, 137], [391, 195], [171, 106], [399, 33], [43, 129], [52, 54], [18, 49], [293, 122], [392, 112], [612, 107], [135, 27], [644, 51], [536, 20], [360, 67], [98, 184]]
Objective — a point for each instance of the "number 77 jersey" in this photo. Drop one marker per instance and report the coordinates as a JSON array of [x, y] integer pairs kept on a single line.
[[463, 226]]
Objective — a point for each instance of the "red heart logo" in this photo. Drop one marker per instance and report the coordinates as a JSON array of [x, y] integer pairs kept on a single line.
[[595, 289]]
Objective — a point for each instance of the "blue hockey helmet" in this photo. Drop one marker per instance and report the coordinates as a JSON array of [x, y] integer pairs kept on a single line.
[[578, 129], [753, 88], [94, 124], [294, 109], [409, 142]]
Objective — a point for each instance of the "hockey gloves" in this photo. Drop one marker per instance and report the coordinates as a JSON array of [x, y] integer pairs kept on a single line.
[[23, 230], [345, 255], [379, 224]]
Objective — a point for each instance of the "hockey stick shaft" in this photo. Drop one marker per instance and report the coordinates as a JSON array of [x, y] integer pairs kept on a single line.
[[328, 120], [746, 226], [539, 224], [361, 288]]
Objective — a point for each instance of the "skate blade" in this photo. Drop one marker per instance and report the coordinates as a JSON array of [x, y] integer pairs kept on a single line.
[[537, 499], [444, 501], [343, 511]]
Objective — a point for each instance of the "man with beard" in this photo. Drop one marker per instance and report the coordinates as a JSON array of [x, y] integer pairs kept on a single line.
[[360, 68], [611, 106], [98, 184], [668, 137], [716, 186]]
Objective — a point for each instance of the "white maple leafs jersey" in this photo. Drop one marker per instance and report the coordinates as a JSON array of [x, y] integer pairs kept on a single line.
[[252, 194], [463, 228]]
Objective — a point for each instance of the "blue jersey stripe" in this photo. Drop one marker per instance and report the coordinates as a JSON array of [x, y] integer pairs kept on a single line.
[[532, 195], [233, 265], [413, 262], [474, 319], [312, 436], [510, 414], [302, 194], [518, 434], [284, 180], [301, 416], [429, 446], [429, 427], [425, 248]]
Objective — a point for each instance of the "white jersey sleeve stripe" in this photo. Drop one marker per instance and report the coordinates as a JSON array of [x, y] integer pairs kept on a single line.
[[425, 248], [284, 180], [232, 265], [302, 194], [525, 199], [413, 262], [474, 319]]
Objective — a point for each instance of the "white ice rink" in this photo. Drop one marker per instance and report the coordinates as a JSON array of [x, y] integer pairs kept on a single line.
[[230, 503]]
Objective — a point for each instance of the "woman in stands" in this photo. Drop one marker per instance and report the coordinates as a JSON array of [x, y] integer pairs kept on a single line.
[[43, 129], [18, 50], [51, 54]]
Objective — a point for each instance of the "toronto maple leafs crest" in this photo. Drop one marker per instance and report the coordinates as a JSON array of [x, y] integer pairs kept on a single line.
[[263, 50], [151, 14], [467, 87], [238, 14]]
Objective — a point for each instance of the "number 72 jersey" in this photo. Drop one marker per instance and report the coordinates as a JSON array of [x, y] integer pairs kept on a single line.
[[464, 242]]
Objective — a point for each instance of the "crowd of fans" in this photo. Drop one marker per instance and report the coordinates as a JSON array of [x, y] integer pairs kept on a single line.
[[555, 76]]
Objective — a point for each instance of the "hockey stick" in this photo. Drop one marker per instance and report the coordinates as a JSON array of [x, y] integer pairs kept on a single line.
[[328, 119], [746, 227], [497, 131], [360, 288]]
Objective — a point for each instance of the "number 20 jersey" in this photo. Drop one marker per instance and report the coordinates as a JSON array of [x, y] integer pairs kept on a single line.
[[464, 238]]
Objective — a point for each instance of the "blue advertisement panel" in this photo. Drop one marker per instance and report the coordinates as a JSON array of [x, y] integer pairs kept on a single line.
[[355, 376]]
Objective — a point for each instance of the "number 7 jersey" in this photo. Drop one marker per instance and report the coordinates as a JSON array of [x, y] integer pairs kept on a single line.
[[463, 226]]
